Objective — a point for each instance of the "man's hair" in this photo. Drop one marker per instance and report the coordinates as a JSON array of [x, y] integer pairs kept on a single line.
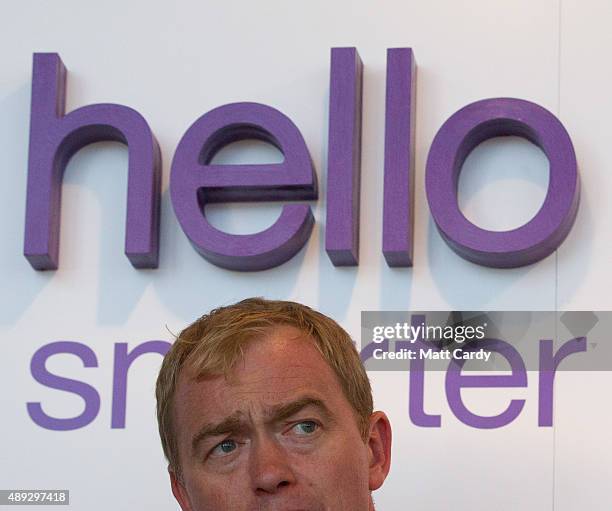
[[214, 343]]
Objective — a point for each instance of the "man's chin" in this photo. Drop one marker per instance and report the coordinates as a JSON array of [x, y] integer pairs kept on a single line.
[[293, 506]]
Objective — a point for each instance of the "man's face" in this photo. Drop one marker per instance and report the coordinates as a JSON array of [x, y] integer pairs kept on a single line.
[[279, 434]]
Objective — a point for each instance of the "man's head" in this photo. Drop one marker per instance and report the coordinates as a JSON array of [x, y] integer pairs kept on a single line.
[[265, 405]]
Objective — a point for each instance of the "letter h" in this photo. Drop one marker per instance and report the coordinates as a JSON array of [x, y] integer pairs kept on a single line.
[[55, 137]]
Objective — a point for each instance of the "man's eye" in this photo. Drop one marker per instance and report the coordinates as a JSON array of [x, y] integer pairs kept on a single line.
[[224, 448], [305, 427]]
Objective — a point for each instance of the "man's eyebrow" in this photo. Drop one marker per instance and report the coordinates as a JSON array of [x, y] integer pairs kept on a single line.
[[284, 411], [235, 422], [232, 423]]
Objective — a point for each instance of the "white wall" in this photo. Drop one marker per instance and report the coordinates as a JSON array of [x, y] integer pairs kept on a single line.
[[173, 61]]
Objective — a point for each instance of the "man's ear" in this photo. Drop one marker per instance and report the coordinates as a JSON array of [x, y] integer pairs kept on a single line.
[[379, 447], [179, 491]]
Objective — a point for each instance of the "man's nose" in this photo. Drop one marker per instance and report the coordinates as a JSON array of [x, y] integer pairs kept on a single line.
[[270, 469]]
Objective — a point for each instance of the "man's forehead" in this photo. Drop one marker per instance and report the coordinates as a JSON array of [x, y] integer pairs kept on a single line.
[[283, 349], [265, 387], [274, 369]]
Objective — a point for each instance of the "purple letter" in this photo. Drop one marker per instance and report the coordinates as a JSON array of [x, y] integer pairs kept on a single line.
[[548, 366], [194, 182], [344, 157], [44, 377], [123, 361], [398, 203], [463, 131], [55, 137], [416, 408], [455, 381]]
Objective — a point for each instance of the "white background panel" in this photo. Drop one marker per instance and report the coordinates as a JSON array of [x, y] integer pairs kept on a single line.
[[582, 415], [174, 61]]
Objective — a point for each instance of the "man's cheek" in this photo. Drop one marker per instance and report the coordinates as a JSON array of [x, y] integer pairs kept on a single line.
[[216, 494], [341, 486], [351, 474], [219, 500], [342, 471]]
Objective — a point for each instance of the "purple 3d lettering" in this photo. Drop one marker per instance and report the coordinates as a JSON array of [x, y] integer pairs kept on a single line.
[[344, 157], [194, 182], [55, 137], [398, 204], [462, 132]]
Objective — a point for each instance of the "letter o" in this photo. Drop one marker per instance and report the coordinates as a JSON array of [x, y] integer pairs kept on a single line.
[[457, 137]]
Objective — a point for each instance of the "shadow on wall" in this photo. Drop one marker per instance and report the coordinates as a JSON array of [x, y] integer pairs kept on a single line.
[[493, 176], [21, 284], [187, 284], [578, 247]]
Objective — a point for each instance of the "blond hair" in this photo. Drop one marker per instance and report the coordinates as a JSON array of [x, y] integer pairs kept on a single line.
[[215, 342]]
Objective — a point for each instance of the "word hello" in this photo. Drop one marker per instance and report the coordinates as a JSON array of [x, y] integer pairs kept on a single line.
[[194, 181]]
